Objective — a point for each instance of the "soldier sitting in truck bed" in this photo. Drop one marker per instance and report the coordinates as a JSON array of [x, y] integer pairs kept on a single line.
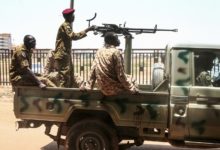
[[108, 69], [51, 73], [20, 69]]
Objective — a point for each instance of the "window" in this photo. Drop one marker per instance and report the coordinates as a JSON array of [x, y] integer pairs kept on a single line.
[[207, 68]]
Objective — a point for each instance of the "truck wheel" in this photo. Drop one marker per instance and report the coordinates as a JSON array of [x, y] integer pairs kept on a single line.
[[91, 135], [177, 143], [138, 141]]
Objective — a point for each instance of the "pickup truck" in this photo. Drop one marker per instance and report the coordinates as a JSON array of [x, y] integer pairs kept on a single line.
[[180, 110]]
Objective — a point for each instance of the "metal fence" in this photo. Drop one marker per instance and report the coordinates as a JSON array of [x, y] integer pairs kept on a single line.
[[141, 63], [5, 61]]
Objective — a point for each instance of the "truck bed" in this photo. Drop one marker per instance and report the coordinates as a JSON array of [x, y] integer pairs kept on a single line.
[[57, 104]]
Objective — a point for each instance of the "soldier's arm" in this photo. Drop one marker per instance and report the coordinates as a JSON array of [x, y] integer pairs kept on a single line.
[[121, 75], [29, 72], [23, 61], [74, 36], [82, 34], [92, 77], [89, 85], [79, 35]]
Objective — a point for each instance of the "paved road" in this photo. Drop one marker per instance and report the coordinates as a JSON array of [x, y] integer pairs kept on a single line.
[[34, 139]]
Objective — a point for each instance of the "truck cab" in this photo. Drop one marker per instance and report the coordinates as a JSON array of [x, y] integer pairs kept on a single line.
[[193, 71]]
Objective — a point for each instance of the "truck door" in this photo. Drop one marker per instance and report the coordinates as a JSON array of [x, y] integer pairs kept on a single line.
[[204, 98], [180, 83]]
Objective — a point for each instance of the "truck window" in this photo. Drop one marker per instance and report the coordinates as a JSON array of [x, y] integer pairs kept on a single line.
[[206, 68]]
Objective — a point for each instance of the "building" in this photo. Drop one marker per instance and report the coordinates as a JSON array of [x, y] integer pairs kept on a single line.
[[5, 41]]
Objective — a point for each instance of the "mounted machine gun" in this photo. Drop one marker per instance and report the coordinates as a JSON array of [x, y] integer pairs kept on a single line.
[[124, 30], [127, 32]]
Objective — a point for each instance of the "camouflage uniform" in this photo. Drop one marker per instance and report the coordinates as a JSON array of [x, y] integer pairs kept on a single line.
[[49, 67], [20, 60], [204, 79], [108, 70], [62, 54], [51, 73]]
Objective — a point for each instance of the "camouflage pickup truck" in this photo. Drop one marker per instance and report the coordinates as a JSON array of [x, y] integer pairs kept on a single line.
[[184, 109]]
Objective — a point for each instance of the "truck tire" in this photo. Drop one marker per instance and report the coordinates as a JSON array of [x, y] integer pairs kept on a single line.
[[91, 134], [138, 141]]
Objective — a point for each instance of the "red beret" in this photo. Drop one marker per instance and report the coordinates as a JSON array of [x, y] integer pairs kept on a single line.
[[68, 11]]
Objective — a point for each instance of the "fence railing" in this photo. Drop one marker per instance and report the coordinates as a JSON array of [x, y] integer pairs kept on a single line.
[[5, 61], [141, 63]]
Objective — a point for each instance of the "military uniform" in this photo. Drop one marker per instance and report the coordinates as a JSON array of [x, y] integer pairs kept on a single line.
[[49, 67], [62, 54], [51, 73], [108, 70], [204, 79], [20, 60]]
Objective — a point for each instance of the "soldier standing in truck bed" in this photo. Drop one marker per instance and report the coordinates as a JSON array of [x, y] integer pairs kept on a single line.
[[20, 69], [62, 54]]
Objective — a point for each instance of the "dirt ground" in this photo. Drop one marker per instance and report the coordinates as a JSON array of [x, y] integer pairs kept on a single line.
[[35, 139], [6, 94], [23, 139]]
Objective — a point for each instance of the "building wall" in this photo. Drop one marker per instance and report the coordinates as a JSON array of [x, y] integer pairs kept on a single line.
[[5, 41]]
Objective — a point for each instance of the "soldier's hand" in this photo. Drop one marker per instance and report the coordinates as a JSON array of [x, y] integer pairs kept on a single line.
[[135, 90], [92, 28], [42, 86], [84, 87], [37, 74]]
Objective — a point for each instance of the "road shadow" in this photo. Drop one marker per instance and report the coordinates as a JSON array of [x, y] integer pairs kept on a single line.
[[167, 147], [53, 146]]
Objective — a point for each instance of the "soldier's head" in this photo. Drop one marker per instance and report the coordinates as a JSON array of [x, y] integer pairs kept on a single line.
[[68, 14], [111, 38], [29, 42]]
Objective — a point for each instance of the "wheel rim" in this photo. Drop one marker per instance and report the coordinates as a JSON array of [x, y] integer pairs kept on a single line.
[[90, 141]]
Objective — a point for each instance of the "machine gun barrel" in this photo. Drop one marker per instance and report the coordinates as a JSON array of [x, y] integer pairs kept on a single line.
[[147, 30], [172, 30]]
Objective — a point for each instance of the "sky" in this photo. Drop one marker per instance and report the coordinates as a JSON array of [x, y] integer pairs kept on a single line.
[[197, 21]]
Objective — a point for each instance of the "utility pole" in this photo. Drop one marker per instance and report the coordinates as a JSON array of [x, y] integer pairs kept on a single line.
[[71, 3], [128, 51], [71, 54]]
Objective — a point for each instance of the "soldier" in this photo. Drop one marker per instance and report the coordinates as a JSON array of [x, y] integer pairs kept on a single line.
[[63, 48], [20, 69], [204, 64], [108, 69], [51, 73], [204, 79], [49, 67]]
